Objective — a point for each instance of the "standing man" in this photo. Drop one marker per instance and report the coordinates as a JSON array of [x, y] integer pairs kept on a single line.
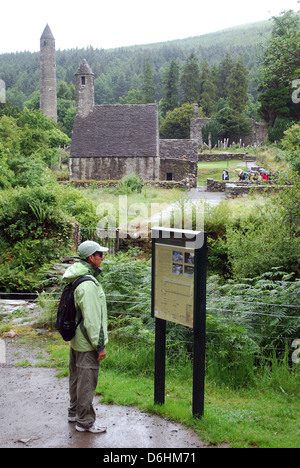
[[88, 345]]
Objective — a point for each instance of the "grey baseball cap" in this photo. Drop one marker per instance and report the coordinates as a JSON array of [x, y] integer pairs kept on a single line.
[[90, 247]]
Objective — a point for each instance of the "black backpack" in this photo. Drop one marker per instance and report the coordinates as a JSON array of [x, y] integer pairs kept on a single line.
[[66, 314]]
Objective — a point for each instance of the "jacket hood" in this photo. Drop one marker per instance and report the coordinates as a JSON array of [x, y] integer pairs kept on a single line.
[[76, 270]]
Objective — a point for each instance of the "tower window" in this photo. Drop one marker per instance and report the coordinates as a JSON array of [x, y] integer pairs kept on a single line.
[[169, 176], [83, 80]]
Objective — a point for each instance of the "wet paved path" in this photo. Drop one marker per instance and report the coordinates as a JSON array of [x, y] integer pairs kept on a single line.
[[33, 413]]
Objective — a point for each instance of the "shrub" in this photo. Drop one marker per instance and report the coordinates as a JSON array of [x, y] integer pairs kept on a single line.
[[130, 183], [176, 123], [291, 143], [264, 240], [230, 353], [29, 171], [215, 129], [73, 202], [276, 132], [266, 307], [7, 176], [34, 233]]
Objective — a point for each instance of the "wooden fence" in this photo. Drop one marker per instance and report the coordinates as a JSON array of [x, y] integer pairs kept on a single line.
[[106, 237]]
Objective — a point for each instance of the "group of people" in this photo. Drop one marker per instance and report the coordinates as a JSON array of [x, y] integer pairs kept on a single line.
[[261, 174]]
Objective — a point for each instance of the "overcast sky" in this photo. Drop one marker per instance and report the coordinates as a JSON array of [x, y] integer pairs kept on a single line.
[[121, 23]]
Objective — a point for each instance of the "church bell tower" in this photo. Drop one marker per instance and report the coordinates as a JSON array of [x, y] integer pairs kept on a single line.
[[84, 84]]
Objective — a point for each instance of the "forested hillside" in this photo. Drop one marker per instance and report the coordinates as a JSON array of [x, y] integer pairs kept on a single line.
[[118, 71]]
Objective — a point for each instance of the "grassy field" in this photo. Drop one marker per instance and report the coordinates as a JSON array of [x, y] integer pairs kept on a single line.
[[270, 158], [152, 199], [214, 170]]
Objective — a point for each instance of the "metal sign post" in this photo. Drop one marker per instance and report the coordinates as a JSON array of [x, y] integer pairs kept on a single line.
[[179, 296]]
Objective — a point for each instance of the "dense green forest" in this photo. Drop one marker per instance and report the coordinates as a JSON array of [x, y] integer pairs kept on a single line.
[[119, 70]]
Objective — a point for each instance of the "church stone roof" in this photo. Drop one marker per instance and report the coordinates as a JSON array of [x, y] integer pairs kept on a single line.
[[117, 131], [47, 34], [84, 69]]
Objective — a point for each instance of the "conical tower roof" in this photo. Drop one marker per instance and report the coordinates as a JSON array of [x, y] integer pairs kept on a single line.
[[84, 69], [47, 34]]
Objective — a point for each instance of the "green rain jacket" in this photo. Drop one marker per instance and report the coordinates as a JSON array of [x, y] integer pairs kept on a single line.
[[90, 299]]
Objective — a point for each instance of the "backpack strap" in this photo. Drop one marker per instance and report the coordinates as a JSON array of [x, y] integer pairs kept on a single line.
[[74, 286], [81, 280]]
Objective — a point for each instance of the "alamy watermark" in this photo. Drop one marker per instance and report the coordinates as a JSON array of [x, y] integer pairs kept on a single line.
[[296, 353], [137, 219], [296, 93], [2, 92]]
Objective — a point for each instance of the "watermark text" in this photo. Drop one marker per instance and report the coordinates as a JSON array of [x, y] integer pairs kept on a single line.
[[296, 353], [137, 219], [296, 93], [2, 92]]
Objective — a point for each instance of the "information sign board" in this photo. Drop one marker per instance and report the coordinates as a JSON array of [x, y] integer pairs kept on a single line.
[[179, 296], [174, 284]]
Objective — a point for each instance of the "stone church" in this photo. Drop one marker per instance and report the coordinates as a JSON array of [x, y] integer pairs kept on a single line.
[[111, 141]]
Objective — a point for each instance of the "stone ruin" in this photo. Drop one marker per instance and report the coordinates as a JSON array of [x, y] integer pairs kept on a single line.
[[257, 138]]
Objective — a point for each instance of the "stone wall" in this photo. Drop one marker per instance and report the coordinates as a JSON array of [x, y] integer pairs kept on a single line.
[[196, 128], [114, 183], [239, 190], [207, 157], [178, 161], [215, 185], [242, 188], [113, 168], [258, 137]]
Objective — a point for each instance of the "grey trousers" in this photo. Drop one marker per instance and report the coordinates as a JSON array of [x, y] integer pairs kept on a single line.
[[83, 379]]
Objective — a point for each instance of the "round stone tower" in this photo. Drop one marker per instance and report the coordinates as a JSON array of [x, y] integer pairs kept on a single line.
[[48, 100], [84, 84]]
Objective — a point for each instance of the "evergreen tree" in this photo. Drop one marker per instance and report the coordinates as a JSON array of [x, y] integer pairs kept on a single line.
[[148, 85], [224, 72], [190, 80], [134, 96], [280, 66], [104, 90], [232, 121], [170, 80], [208, 91], [121, 87], [237, 87], [66, 91]]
